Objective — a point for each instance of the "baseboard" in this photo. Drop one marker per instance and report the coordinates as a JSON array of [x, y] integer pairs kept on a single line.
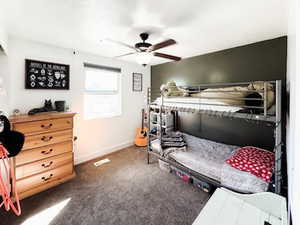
[[102, 152]]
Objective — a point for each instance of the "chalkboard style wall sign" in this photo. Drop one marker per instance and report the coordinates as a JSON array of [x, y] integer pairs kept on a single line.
[[46, 75], [137, 82]]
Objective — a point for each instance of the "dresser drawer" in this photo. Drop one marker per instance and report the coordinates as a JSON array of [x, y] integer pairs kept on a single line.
[[44, 178], [43, 165], [39, 140], [44, 125], [27, 156]]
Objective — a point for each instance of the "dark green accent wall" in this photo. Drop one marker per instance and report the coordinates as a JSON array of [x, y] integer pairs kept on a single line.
[[264, 60]]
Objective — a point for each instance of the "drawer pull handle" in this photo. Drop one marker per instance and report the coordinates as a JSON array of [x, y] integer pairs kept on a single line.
[[45, 138], [46, 126], [47, 152], [47, 165], [47, 178]]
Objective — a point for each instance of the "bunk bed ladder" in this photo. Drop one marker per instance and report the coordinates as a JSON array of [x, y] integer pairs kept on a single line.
[[160, 124], [278, 138], [265, 98], [148, 123]]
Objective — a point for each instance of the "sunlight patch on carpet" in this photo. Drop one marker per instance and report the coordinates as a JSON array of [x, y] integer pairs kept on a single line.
[[46, 216]]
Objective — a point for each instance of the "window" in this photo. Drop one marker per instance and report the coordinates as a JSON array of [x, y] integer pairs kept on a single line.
[[102, 97]]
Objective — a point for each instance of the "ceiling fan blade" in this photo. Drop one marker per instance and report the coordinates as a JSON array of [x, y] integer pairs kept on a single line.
[[166, 56], [162, 45], [131, 53], [122, 43]]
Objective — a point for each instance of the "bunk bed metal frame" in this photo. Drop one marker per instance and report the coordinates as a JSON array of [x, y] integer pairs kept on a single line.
[[264, 118]]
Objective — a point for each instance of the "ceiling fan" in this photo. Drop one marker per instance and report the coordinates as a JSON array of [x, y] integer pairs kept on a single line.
[[146, 50]]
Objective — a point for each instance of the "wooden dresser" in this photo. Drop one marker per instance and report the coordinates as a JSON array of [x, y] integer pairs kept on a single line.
[[46, 159]]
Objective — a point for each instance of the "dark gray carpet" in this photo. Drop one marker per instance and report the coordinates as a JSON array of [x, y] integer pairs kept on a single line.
[[125, 191]]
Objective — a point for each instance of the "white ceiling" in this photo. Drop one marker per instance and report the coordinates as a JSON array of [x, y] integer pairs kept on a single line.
[[199, 26]]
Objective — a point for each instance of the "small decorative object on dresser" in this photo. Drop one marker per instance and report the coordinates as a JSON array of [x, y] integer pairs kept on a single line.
[[16, 112], [60, 106], [137, 82], [46, 108], [46, 159]]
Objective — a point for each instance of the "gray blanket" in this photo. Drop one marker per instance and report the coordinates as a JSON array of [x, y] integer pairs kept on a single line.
[[208, 158]]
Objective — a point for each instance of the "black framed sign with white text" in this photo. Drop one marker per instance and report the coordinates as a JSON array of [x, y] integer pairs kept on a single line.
[[46, 75]]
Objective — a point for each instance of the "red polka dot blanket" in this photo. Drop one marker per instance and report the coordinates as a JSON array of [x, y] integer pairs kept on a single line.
[[258, 162]]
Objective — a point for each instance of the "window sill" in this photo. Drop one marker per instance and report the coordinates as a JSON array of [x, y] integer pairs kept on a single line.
[[102, 117]]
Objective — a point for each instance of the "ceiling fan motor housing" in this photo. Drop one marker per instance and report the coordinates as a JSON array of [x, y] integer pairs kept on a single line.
[[143, 45]]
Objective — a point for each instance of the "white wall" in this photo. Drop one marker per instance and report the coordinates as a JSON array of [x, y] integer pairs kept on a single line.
[[95, 137], [4, 101], [3, 68], [3, 39], [293, 131], [3, 33]]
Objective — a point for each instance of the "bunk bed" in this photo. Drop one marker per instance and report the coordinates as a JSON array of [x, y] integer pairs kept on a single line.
[[205, 159]]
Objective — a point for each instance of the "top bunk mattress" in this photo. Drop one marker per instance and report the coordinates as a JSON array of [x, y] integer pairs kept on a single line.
[[251, 99], [197, 104]]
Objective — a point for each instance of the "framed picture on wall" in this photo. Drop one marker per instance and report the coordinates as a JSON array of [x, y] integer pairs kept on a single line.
[[137, 82], [46, 75]]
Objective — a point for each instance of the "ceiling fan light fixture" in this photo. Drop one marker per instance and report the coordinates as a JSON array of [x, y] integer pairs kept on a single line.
[[145, 51], [143, 58]]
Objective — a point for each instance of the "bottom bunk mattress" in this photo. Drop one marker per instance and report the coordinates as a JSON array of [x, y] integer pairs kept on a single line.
[[208, 158]]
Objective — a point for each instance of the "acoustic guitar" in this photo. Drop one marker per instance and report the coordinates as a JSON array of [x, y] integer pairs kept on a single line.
[[141, 134]]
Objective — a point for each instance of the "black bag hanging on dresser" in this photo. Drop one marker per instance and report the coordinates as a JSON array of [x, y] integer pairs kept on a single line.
[[12, 140]]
